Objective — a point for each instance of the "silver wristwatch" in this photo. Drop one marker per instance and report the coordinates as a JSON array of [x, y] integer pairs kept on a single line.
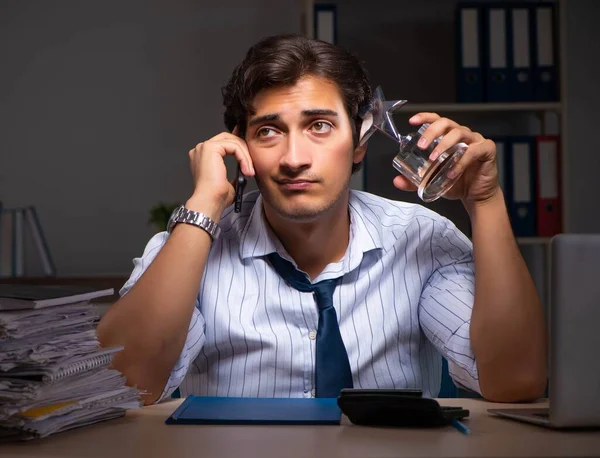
[[183, 215]]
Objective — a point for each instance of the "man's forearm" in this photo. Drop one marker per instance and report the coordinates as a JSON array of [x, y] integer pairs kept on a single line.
[[151, 321], [508, 330]]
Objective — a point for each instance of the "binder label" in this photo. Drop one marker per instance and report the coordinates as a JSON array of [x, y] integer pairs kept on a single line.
[[497, 39], [326, 26], [520, 19], [521, 173], [470, 38], [544, 37], [548, 170]]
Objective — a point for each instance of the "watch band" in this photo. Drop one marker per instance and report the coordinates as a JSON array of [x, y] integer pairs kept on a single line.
[[184, 215]]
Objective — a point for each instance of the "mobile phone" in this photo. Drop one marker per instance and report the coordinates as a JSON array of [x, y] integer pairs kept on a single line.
[[240, 184]]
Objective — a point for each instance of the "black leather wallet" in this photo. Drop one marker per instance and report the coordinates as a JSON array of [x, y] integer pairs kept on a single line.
[[396, 408]]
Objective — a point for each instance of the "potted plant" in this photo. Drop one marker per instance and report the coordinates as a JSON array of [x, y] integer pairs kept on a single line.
[[160, 214]]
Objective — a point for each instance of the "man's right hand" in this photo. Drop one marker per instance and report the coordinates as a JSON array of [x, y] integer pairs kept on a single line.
[[153, 335], [212, 192]]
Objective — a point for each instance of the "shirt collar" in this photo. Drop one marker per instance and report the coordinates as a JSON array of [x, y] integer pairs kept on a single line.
[[257, 238], [368, 229]]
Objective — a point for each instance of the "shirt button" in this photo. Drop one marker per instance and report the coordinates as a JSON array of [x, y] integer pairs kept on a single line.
[[312, 335]]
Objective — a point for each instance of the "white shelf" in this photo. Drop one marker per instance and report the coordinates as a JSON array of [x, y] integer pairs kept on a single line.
[[533, 240], [481, 107]]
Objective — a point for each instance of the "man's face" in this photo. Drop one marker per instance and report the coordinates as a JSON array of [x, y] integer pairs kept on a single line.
[[300, 141]]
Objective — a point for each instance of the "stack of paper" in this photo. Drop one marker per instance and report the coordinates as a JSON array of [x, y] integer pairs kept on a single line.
[[54, 375]]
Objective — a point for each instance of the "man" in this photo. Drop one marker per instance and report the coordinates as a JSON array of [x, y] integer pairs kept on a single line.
[[235, 317]]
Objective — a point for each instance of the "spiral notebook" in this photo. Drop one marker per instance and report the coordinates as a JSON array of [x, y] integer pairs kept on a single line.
[[66, 367], [206, 410]]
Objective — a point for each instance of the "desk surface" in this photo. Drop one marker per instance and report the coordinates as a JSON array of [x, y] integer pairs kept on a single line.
[[142, 433]]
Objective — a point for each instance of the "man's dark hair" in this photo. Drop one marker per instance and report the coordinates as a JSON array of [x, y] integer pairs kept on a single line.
[[284, 59]]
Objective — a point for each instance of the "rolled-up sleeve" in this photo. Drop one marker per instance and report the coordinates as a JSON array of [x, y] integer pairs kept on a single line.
[[195, 336], [446, 303]]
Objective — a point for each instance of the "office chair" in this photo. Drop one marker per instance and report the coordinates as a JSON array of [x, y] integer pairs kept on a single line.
[[448, 389]]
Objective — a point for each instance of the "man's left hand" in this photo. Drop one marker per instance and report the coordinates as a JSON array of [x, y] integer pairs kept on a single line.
[[479, 180]]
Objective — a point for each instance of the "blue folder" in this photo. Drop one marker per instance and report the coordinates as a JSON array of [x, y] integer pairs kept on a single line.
[[204, 410], [520, 42], [469, 49], [545, 74], [496, 52], [522, 176]]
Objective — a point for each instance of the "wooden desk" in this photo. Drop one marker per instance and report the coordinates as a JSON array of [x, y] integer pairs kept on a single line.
[[142, 433]]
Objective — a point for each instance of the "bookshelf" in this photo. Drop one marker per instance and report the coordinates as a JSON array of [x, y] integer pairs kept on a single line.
[[538, 109], [391, 37], [483, 107]]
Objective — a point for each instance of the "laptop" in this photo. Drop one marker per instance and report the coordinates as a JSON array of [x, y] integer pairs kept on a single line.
[[574, 387]]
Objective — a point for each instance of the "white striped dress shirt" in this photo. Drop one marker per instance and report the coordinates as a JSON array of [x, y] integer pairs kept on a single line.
[[405, 298]]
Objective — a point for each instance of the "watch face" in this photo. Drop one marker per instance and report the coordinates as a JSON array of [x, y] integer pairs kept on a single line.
[[173, 217]]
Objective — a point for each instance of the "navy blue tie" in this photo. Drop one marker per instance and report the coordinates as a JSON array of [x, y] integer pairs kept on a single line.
[[332, 371]]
